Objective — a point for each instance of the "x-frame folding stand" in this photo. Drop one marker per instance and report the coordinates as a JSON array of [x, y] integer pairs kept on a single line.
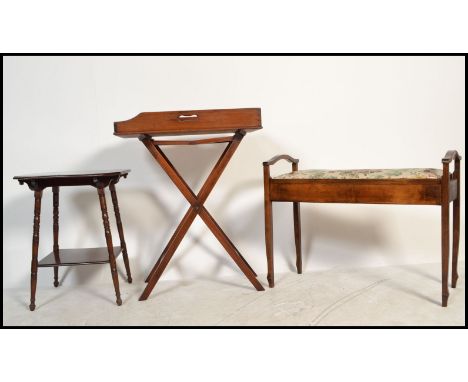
[[196, 205], [148, 125]]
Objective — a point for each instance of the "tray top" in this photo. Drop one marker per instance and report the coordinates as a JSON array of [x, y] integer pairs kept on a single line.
[[190, 122], [72, 174]]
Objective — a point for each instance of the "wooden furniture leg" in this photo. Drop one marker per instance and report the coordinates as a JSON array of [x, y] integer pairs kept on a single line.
[[230, 248], [219, 234], [74, 256], [445, 254], [118, 219], [447, 194], [445, 251], [297, 229], [423, 186], [297, 235], [55, 200], [183, 223], [456, 226], [224, 237], [269, 218], [177, 237], [107, 232], [35, 246], [196, 208]]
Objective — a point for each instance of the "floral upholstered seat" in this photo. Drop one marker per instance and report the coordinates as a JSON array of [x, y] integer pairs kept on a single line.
[[399, 173]]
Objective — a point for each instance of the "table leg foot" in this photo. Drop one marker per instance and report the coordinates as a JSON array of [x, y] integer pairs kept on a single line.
[[271, 281], [56, 282], [445, 301]]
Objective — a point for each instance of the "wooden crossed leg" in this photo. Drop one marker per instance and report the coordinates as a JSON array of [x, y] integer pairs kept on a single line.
[[196, 206]]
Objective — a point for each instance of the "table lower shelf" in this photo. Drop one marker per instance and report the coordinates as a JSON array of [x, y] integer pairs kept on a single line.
[[78, 256]]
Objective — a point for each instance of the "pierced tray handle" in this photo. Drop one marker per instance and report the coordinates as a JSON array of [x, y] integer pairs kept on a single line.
[[185, 118]]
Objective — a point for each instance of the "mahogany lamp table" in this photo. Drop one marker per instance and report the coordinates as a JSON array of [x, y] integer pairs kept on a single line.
[[66, 257], [234, 124]]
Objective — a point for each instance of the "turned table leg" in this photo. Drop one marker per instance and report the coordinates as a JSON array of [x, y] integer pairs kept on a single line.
[[55, 192], [123, 245], [110, 249], [35, 246]]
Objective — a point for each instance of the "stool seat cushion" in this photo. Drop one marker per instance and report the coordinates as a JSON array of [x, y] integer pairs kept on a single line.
[[398, 173]]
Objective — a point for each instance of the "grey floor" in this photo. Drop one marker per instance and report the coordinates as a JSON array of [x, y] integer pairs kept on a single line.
[[406, 295]]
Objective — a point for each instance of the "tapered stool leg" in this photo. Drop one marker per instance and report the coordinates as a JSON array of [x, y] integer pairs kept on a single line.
[[110, 249], [35, 246], [456, 242], [445, 236], [118, 219], [269, 243], [55, 193], [456, 228], [297, 235]]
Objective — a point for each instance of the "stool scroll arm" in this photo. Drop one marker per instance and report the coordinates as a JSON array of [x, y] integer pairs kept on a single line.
[[277, 158], [451, 155]]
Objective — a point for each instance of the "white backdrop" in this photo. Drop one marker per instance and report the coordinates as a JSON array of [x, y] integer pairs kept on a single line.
[[339, 112]]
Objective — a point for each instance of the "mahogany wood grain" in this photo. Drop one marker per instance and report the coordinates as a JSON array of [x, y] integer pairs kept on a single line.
[[190, 122], [192, 142], [196, 208], [438, 192], [60, 257], [355, 191]]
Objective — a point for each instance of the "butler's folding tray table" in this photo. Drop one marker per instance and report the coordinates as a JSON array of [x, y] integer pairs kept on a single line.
[[233, 124]]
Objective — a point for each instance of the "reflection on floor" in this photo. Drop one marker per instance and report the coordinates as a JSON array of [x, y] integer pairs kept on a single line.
[[405, 295]]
